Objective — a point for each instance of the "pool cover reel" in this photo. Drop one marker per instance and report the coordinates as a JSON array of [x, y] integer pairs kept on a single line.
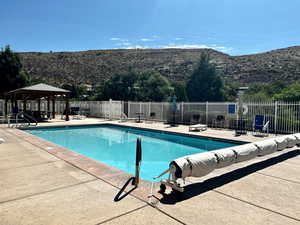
[[201, 164]]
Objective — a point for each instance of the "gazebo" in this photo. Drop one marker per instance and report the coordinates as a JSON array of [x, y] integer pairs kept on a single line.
[[36, 92]]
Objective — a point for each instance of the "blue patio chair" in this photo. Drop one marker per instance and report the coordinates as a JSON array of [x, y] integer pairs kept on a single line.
[[260, 125]]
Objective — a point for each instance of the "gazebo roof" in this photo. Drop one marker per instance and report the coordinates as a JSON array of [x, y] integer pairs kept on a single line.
[[37, 91]]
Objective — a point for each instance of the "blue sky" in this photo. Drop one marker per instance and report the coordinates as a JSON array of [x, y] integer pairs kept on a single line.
[[235, 27]]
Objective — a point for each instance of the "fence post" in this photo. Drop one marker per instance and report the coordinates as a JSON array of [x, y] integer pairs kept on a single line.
[[206, 113], [182, 103], [128, 110], [275, 118], [121, 109], [149, 109], [110, 106], [140, 107], [162, 111]]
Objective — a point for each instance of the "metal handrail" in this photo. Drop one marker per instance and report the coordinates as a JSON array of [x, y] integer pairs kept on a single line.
[[22, 113], [19, 114], [31, 117]]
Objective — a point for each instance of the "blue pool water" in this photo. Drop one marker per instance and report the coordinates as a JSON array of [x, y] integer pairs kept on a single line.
[[115, 146]]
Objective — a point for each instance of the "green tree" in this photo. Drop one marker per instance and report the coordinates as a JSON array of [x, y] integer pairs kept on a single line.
[[77, 91], [289, 94], [158, 88], [230, 89], [180, 91], [205, 84], [264, 92], [132, 86], [97, 93], [140, 86], [120, 87], [12, 76]]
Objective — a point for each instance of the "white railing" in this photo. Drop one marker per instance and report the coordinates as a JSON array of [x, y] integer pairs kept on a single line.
[[284, 117]]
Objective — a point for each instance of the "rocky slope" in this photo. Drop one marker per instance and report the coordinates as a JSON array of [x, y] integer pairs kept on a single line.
[[91, 67]]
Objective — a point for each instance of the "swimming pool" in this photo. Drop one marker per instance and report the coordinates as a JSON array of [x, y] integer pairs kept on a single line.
[[115, 146]]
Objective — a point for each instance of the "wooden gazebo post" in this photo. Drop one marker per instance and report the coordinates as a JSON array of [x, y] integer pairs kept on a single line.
[[39, 105], [48, 107], [67, 107], [24, 105], [5, 107], [53, 106], [16, 108]]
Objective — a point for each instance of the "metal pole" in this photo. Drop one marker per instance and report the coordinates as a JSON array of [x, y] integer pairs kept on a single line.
[[128, 109], [275, 118], [138, 159], [110, 108], [162, 111], [182, 103], [206, 118], [53, 107]]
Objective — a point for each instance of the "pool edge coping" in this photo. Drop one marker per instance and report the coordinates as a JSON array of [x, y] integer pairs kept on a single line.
[[100, 170]]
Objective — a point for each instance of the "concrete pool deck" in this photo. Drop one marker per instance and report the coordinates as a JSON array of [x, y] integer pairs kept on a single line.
[[42, 188]]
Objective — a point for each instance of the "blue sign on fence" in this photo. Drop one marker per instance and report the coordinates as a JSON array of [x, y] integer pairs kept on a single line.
[[231, 108]]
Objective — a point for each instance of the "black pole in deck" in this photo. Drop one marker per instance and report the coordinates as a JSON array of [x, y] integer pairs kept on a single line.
[[138, 159]]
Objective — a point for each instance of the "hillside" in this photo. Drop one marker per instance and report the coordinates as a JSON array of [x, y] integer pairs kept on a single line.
[[91, 67]]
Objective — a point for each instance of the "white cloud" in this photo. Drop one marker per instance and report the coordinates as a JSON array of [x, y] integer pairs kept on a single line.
[[146, 39], [123, 44], [178, 39], [119, 39], [223, 49], [115, 39]]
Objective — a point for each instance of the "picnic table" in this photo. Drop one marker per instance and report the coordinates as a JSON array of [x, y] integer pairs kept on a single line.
[[139, 117]]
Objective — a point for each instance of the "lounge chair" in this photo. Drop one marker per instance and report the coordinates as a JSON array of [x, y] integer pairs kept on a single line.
[[260, 125], [198, 127]]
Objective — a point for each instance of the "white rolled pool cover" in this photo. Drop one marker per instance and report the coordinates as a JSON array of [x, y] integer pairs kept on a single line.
[[198, 165], [1, 140], [245, 152], [297, 136], [225, 157], [282, 142], [291, 141], [266, 147]]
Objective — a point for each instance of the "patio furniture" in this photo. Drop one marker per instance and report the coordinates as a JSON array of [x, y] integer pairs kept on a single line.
[[151, 117], [77, 113], [138, 120], [219, 122], [260, 125], [195, 119], [240, 126], [198, 127]]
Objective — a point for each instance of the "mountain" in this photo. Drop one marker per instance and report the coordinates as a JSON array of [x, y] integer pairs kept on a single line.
[[92, 67]]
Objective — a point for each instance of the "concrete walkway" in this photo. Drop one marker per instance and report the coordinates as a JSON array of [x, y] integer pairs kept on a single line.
[[38, 188]]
